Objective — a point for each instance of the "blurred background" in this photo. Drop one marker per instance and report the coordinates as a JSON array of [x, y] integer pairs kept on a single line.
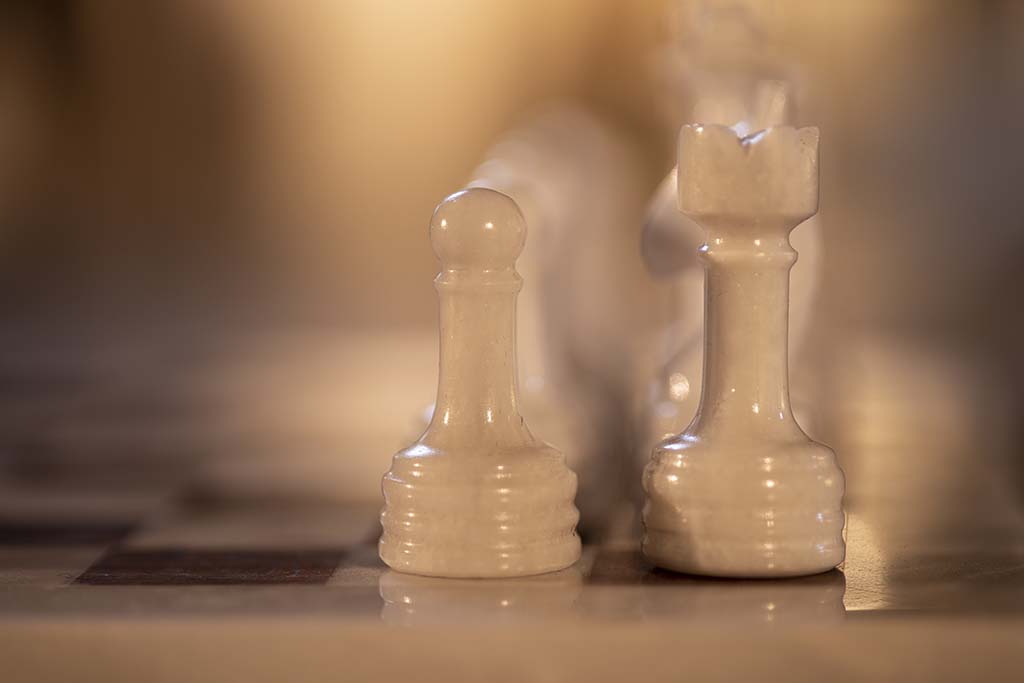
[[216, 267]]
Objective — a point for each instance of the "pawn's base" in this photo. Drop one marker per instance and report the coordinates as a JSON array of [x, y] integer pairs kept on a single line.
[[479, 562], [463, 515]]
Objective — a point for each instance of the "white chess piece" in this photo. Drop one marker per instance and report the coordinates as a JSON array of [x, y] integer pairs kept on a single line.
[[670, 242], [478, 495], [579, 183], [743, 491]]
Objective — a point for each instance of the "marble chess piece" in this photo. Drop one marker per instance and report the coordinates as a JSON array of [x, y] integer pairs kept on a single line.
[[743, 492], [721, 64], [670, 242], [478, 495], [579, 182]]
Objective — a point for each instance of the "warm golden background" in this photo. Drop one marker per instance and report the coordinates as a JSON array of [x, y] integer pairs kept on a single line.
[[257, 168]]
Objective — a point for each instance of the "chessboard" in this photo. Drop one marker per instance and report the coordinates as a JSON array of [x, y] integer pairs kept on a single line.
[[121, 558], [187, 588]]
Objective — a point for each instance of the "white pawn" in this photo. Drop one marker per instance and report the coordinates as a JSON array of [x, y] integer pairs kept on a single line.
[[743, 491], [478, 495]]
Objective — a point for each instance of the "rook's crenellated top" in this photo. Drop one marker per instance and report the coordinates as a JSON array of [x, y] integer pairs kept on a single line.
[[767, 175]]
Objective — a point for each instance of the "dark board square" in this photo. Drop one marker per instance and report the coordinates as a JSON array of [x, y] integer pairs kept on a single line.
[[124, 567], [62, 533], [617, 567]]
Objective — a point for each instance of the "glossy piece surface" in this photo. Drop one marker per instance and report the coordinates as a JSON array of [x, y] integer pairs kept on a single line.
[[478, 495], [671, 242], [743, 492]]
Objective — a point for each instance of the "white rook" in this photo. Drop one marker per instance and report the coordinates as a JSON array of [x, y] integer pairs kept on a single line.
[[743, 491], [478, 495]]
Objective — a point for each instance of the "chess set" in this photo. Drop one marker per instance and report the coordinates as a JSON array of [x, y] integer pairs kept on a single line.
[[741, 525], [742, 492], [591, 494]]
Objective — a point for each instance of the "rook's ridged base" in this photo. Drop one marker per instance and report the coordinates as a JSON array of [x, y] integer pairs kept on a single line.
[[744, 511]]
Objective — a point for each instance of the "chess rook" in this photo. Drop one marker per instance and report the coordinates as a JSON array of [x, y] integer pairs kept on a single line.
[[743, 492], [478, 495]]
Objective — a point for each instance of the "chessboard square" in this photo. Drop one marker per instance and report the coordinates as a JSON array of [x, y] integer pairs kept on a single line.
[[70, 533], [211, 567], [362, 568], [321, 528], [620, 566], [45, 566]]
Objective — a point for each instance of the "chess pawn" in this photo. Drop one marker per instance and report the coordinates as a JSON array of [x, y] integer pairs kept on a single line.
[[478, 495], [743, 492]]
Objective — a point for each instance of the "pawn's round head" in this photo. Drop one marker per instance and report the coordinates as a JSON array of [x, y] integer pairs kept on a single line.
[[478, 228]]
